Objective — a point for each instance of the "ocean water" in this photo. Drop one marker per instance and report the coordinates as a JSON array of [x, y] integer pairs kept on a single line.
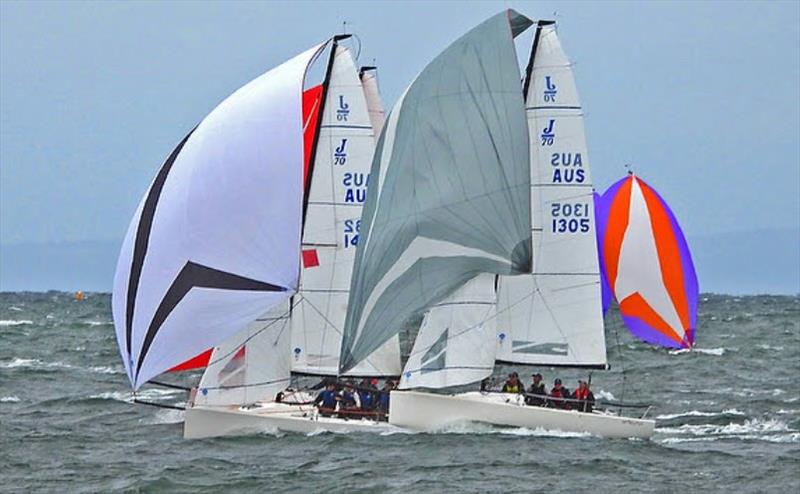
[[728, 420]]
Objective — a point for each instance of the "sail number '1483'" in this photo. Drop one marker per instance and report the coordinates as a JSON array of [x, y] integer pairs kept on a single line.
[[351, 230], [570, 217]]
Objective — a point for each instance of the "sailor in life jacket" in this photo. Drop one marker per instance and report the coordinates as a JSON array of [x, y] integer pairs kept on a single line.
[[585, 395], [557, 395], [513, 385]]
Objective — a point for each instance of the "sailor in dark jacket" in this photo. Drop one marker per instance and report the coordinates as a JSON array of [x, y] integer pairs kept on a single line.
[[537, 389], [326, 399]]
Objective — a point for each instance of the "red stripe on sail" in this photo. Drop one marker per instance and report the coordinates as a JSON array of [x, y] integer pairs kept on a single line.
[[196, 362], [311, 103]]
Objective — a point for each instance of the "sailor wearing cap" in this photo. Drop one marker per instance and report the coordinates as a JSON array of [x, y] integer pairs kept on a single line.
[[536, 392]]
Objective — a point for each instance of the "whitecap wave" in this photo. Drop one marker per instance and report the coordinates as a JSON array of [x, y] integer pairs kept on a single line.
[[755, 427], [15, 322], [107, 369], [605, 395], [15, 308], [706, 351], [481, 428], [19, 362], [9, 399], [128, 397], [793, 437], [698, 413], [164, 416], [97, 323]]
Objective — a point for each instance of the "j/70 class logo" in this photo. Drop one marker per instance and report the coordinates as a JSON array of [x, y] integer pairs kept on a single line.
[[549, 134], [340, 154], [343, 111], [549, 90]]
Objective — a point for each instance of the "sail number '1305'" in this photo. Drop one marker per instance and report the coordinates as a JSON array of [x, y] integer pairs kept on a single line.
[[570, 217]]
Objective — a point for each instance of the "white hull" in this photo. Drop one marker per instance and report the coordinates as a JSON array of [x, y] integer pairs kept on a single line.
[[214, 421], [421, 411]]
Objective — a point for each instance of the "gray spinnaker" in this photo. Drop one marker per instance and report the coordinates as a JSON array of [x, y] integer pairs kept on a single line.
[[449, 194]]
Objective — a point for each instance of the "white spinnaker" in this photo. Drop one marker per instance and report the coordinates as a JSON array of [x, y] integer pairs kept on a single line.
[[554, 316], [377, 114], [338, 190], [455, 344], [251, 366], [231, 203]]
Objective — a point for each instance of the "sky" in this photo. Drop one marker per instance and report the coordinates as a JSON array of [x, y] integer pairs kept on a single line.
[[703, 98]]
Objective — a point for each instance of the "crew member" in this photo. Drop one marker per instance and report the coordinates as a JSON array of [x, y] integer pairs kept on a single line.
[[512, 384], [584, 396], [537, 390], [557, 395], [383, 398], [348, 398], [326, 399]]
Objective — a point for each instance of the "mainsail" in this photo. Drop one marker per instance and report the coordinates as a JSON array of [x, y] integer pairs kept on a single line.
[[215, 242], [253, 365], [455, 344], [554, 316], [648, 264], [450, 188], [339, 175]]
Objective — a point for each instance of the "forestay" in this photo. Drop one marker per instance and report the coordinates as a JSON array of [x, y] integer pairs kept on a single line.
[[649, 266], [455, 344], [339, 177], [215, 242], [554, 316], [450, 188], [252, 365]]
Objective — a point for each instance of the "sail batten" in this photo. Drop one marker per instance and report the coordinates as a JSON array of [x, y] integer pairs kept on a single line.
[[450, 188]]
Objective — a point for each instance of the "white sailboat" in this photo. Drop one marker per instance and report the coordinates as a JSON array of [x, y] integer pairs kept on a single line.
[[304, 337], [550, 317], [243, 245]]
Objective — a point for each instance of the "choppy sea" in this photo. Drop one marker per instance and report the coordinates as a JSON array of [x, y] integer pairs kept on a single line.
[[728, 419]]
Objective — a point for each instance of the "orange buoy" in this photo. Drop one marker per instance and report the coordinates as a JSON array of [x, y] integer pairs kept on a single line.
[[79, 296]]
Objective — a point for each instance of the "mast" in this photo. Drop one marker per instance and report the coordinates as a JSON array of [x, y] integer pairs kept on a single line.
[[336, 191], [529, 69], [325, 84]]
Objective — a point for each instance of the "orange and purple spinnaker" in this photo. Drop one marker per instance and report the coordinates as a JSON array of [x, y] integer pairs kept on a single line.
[[647, 264]]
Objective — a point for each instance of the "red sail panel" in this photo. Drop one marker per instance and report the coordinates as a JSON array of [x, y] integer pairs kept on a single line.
[[196, 362], [312, 99]]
